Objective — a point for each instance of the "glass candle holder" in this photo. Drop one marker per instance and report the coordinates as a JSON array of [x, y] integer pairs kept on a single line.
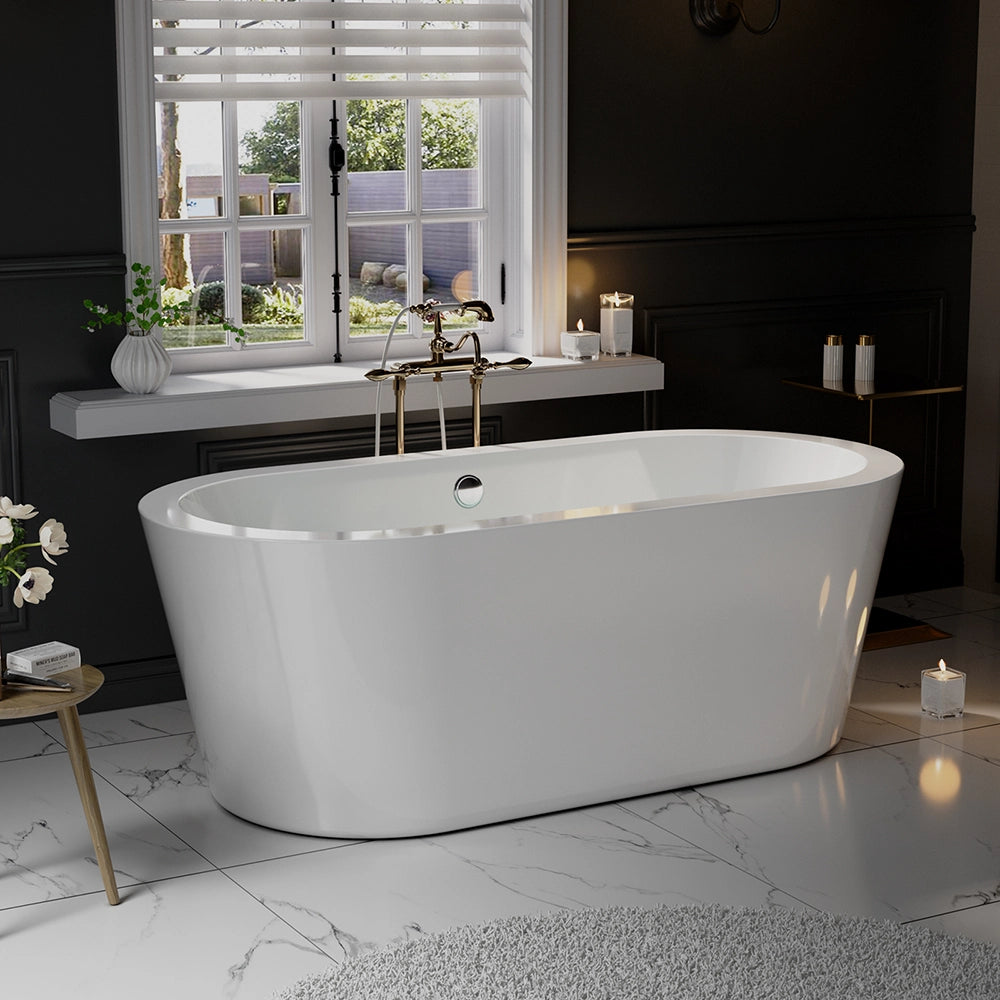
[[616, 324], [942, 692], [580, 344]]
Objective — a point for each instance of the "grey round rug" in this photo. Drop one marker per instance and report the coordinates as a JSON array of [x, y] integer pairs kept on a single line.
[[682, 953]]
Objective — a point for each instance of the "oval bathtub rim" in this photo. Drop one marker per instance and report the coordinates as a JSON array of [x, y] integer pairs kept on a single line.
[[162, 505]]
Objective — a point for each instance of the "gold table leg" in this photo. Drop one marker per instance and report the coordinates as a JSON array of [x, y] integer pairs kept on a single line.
[[70, 722]]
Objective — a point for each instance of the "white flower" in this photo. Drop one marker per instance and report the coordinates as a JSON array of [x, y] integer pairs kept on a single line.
[[21, 511], [32, 586], [6, 531], [52, 536]]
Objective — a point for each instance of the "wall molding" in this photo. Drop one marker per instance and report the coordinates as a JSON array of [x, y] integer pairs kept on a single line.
[[331, 445], [137, 682], [11, 617], [80, 265], [625, 239]]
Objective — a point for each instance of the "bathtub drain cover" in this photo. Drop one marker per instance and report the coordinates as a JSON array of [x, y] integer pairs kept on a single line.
[[468, 491]]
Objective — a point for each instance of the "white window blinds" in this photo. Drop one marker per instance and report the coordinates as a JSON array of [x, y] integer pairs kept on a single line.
[[301, 49]]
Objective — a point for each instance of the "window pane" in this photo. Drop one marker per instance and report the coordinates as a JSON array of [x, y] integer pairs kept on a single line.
[[378, 277], [204, 298], [450, 150], [189, 159], [272, 290], [451, 261], [269, 154], [376, 155]]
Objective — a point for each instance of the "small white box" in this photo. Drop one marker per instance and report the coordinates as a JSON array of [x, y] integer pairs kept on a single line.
[[45, 660]]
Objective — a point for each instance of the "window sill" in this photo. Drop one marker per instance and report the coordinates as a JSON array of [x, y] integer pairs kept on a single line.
[[312, 392]]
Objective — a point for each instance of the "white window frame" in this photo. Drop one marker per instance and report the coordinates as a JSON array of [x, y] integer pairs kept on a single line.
[[534, 239]]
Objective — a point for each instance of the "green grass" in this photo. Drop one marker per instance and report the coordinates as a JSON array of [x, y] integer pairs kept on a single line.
[[204, 335]]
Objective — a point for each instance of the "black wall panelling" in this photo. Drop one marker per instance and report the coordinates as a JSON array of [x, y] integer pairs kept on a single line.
[[11, 617], [332, 445]]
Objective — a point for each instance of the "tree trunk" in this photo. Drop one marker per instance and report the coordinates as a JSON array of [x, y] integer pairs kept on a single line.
[[173, 265]]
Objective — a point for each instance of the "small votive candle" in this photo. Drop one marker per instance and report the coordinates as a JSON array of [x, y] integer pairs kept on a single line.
[[942, 692], [580, 344], [616, 324]]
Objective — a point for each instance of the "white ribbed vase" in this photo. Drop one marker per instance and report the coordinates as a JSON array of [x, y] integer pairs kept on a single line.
[[140, 363]]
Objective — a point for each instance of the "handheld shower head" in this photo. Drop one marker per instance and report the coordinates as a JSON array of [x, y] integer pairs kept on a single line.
[[426, 310], [480, 308]]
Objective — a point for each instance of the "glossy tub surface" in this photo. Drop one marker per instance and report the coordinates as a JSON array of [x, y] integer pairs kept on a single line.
[[620, 615]]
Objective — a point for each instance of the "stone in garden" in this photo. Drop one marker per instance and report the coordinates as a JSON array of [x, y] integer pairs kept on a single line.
[[372, 271], [401, 281], [391, 273]]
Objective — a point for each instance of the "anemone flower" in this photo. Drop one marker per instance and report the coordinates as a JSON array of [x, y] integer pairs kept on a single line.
[[22, 511], [52, 538], [6, 531], [32, 586]]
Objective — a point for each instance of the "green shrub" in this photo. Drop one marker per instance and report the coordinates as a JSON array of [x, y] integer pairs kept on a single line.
[[365, 313], [179, 301], [212, 303], [283, 306]]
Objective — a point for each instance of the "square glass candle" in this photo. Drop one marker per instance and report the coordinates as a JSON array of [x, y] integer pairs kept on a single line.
[[580, 344], [942, 692]]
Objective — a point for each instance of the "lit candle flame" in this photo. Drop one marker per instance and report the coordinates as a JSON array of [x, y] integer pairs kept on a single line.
[[579, 325], [618, 301], [942, 666]]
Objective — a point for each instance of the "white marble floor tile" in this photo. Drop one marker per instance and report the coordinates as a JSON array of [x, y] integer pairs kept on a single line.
[[25, 739], [980, 923], [166, 777], [962, 598], [900, 832], [888, 684], [863, 730], [981, 628], [197, 938], [45, 847], [915, 606], [368, 895], [123, 725], [982, 743]]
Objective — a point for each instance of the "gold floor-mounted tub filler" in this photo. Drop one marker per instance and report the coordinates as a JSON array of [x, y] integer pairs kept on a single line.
[[437, 365]]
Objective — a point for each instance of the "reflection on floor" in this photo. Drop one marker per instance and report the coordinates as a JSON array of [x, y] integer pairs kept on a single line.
[[900, 821]]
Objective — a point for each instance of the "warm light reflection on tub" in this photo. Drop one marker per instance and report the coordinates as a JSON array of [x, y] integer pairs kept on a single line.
[[862, 628], [824, 596]]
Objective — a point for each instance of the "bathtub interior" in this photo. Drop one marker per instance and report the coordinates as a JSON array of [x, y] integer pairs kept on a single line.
[[579, 477]]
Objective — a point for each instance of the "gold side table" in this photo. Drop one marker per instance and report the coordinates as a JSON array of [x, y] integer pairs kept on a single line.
[[883, 387], [21, 703]]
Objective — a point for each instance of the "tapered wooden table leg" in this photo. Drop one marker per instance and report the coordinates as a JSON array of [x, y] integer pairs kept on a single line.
[[70, 722]]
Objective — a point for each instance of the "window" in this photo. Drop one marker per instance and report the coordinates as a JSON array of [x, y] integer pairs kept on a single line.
[[228, 124]]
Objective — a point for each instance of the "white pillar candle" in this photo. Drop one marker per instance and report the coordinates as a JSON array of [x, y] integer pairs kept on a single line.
[[942, 692], [616, 323], [580, 344]]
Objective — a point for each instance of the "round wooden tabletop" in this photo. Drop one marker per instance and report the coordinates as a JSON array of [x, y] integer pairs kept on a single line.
[[22, 703]]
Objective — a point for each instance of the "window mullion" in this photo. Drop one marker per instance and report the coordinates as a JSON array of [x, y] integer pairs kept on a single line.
[[231, 209], [414, 194]]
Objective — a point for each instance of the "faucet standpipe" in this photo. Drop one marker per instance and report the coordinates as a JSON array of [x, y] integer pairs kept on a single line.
[[477, 366]]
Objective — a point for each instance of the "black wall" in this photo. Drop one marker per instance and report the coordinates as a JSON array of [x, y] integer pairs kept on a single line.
[[753, 193]]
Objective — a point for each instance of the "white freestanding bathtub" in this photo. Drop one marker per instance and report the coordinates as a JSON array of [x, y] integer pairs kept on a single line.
[[619, 615]]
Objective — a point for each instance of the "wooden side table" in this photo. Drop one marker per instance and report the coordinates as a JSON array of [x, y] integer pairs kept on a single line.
[[20, 703]]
